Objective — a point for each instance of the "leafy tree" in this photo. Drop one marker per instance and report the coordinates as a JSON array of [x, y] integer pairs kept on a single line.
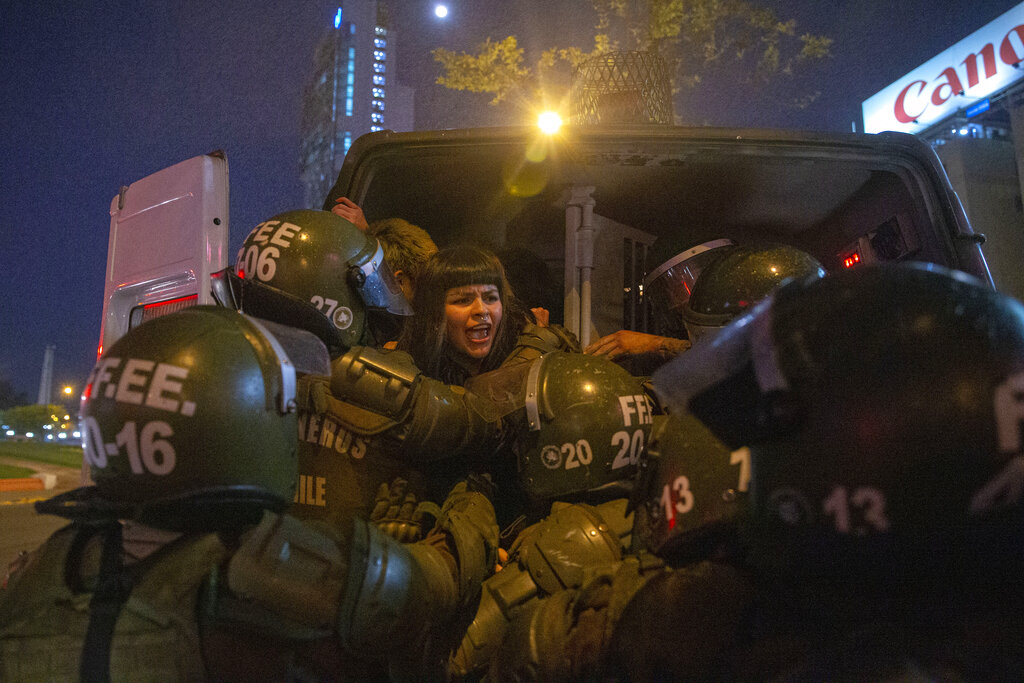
[[32, 418], [695, 37]]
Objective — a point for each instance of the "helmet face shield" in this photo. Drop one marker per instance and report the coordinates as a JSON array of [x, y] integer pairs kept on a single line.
[[724, 379], [379, 289], [737, 278], [669, 285], [296, 351], [872, 455]]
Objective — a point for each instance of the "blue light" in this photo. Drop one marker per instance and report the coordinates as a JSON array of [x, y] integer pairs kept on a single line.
[[337, 18], [977, 108]]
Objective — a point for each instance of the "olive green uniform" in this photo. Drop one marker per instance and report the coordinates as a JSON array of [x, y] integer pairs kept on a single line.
[[278, 601], [379, 419]]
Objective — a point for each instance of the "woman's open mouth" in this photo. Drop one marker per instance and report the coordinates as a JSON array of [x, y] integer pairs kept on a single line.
[[479, 334]]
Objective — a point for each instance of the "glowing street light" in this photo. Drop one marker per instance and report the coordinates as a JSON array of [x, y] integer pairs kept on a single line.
[[440, 11], [549, 122], [68, 391]]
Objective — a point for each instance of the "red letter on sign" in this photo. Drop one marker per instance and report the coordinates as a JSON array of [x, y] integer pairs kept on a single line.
[[1007, 52], [989, 54], [952, 82], [900, 109]]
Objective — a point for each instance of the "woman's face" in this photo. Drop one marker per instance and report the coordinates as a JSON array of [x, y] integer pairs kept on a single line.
[[472, 315]]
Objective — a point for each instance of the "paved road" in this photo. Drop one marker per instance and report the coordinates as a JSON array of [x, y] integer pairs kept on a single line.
[[23, 529]]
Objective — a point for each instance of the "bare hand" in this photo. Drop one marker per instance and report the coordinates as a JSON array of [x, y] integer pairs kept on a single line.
[[629, 343], [502, 560], [350, 211], [542, 316]]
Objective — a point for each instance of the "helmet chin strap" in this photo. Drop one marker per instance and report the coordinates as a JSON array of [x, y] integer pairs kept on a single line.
[[114, 585]]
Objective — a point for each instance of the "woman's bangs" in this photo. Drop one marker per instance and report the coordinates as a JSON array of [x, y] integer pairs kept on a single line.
[[465, 274]]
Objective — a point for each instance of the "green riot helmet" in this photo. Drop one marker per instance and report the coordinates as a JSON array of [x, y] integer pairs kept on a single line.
[[883, 408], [586, 422], [189, 419], [691, 492], [739, 277], [322, 258], [668, 287]]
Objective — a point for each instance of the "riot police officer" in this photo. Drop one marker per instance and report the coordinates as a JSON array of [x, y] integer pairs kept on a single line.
[[736, 278], [879, 409], [582, 424], [178, 564], [379, 438], [881, 532], [699, 290]]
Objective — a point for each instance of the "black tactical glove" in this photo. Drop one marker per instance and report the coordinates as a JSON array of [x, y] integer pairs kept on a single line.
[[397, 513]]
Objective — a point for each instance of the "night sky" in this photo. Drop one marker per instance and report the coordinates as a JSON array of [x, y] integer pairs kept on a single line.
[[94, 96]]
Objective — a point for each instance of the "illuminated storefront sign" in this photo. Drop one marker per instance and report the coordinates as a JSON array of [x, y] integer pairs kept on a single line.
[[960, 77]]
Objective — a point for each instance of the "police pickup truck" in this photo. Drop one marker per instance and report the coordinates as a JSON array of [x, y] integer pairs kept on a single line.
[[600, 205]]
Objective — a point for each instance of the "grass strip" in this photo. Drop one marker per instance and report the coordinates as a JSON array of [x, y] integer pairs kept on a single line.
[[52, 453]]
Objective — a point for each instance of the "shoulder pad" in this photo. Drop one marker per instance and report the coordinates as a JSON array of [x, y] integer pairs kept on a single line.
[[534, 341], [314, 396], [381, 382], [291, 569]]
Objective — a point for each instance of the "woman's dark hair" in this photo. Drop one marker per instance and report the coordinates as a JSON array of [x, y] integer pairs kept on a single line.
[[423, 335]]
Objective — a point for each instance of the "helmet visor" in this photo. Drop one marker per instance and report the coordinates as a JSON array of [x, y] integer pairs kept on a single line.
[[669, 285], [304, 350], [379, 288], [296, 351], [746, 341]]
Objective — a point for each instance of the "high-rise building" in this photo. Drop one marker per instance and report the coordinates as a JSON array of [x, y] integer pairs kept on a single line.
[[352, 91]]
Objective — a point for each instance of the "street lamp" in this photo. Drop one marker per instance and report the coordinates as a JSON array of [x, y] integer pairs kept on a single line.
[[440, 11], [549, 122]]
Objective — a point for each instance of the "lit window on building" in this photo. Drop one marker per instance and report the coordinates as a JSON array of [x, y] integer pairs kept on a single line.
[[377, 117], [348, 141], [380, 42], [378, 105], [380, 55], [374, 129], [380, 30], [378, 92], [379, 67], [379, 80], [350, 81]]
